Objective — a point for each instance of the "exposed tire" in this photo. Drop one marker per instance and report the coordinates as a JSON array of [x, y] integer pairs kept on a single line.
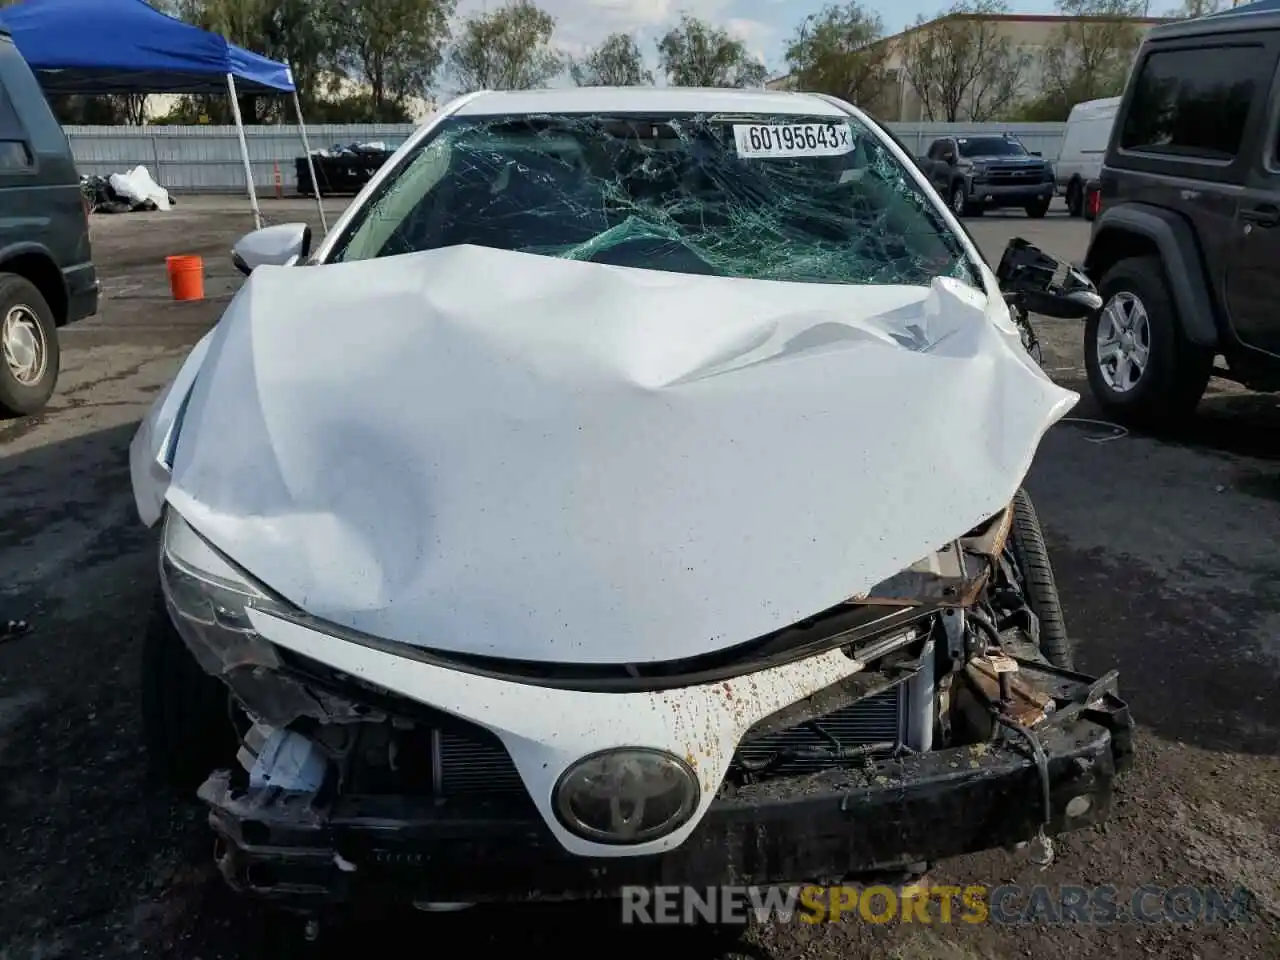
[[1175, 371], [186, 724], [1041, 591], [959, 200], [1075, 198], [29, 355], [1038, 208]]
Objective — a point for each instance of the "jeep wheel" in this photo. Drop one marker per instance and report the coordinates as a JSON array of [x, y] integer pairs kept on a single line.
[[1075, 198], [28, 347], [1141, 367], [1036, 209]]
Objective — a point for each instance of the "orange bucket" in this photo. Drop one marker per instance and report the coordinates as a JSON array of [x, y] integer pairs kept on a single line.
[[186, 277]]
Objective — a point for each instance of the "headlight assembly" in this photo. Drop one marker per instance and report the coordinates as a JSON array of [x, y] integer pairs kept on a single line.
[[209, 600], [626, 796]]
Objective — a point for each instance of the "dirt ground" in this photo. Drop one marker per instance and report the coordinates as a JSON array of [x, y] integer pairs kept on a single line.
[[1166, 560]]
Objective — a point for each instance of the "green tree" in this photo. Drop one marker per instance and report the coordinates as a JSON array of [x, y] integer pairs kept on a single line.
[[508, 49], [394, 46], [960, 65], [243, 23], [617, 62], [696, 54], [839, 51]]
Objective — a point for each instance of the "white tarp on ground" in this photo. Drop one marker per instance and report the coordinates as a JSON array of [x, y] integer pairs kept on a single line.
[[137, 186], [527, 457]]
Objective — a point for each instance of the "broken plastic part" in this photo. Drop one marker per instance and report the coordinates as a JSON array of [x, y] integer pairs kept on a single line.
[[208, 599], [290, 761], [671, 193]]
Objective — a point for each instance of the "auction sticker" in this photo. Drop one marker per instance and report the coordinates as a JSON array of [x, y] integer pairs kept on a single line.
[[793, 139]]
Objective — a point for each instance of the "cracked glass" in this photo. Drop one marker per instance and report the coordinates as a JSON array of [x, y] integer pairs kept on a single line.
[[693, 194]]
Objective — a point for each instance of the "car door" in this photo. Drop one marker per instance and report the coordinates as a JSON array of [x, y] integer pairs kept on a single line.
[[1252, 281]]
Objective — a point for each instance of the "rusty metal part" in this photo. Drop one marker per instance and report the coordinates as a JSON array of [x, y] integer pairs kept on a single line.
[[954, 575], [1025, 704]]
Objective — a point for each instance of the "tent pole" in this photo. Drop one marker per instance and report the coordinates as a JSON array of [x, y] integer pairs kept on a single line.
[[244, 152], [306, 147]]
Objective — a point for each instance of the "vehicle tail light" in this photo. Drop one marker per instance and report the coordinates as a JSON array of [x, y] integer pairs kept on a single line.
[[1093, 201]]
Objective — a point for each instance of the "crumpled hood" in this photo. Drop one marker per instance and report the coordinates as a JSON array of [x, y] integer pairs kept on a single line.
[[526, 457]]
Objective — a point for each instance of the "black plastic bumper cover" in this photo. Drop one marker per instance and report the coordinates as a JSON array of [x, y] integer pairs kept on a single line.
[[297, 849], [1010, 195]]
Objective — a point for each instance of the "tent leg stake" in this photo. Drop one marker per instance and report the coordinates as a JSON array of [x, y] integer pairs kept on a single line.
[[244, 152], [311, 166]]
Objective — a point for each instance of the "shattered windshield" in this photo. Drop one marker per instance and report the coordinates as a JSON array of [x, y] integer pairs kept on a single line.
[[991, 147], [819, 200]]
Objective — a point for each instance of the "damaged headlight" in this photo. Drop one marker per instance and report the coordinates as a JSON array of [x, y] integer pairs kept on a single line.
[[209, 600]]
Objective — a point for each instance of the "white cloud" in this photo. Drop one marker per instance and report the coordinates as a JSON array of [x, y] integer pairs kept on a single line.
[[756, 35]]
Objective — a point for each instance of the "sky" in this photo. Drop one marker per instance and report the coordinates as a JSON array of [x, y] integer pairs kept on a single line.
[[764, 25]]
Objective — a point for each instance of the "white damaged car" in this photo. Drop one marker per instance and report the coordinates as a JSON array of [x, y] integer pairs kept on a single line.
[[627, 490]]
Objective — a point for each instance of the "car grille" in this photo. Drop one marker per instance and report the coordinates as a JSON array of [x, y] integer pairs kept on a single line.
[[1014, 175], [474, 763]]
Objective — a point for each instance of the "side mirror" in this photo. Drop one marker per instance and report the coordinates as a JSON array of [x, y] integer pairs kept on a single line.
[[279, 246], [1044, 284]]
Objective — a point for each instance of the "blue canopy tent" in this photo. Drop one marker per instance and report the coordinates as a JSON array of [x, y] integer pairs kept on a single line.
[[125, 46]]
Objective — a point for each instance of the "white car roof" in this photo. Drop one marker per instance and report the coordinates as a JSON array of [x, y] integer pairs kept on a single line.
[[657, 100]]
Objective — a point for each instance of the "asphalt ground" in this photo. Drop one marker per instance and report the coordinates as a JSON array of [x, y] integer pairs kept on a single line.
[[1165, 557]]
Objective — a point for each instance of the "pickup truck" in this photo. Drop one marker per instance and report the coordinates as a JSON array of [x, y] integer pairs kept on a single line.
[[979, 173]]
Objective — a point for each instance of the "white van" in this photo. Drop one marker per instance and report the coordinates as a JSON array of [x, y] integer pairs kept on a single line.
[[1083, 146]]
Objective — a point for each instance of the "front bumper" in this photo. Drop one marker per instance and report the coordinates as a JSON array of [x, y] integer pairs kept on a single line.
[[83, 291], [304, 850], [1009, 195]]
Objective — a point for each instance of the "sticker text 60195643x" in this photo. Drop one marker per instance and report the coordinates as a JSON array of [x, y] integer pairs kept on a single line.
[[793, 139]]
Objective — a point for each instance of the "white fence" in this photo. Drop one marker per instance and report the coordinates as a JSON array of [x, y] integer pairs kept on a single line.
[[206, 159]]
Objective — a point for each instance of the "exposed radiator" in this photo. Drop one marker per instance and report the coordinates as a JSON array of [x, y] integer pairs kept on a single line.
[[876, 719], [475, 763]]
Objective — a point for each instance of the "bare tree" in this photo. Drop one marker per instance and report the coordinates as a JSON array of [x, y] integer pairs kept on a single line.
[[961, 67], [617, 62], [509, 49], [1089, 55], [840, 51], [1190, 9], [696, 54]]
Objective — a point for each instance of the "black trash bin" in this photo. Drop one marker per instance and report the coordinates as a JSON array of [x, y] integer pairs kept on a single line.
[[343, 170]]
